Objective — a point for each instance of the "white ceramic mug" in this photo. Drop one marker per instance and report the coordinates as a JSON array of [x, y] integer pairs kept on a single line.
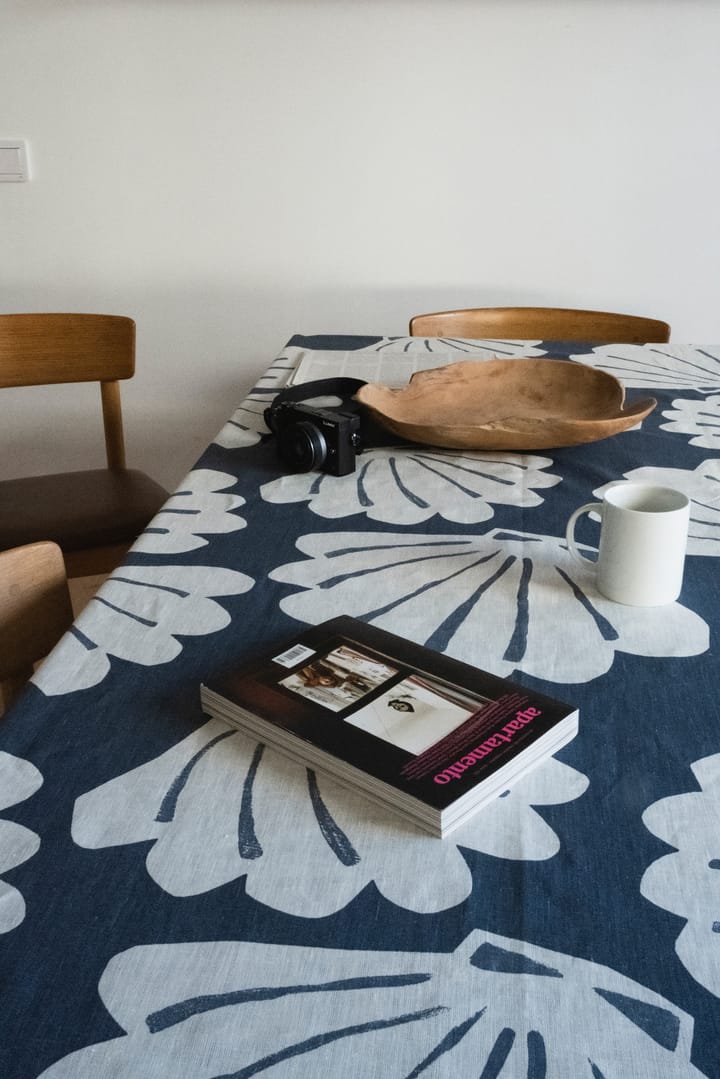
[[643, 537]]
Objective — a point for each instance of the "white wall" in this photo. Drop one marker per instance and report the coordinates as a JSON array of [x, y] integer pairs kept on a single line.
[[229, 172]]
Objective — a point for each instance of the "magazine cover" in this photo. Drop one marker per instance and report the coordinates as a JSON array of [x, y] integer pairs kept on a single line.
[[376, 709]]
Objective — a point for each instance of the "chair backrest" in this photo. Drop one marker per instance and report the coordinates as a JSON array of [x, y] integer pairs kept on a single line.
[[45, 349], [35, 610], [541, 324]]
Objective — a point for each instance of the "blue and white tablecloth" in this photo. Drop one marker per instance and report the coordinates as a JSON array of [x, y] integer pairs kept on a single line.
[[173, 903]]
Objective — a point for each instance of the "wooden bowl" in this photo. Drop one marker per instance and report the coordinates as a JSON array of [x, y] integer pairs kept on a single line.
[[516, 404]]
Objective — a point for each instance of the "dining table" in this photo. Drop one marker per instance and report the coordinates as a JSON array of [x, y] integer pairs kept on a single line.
[[180, 901]]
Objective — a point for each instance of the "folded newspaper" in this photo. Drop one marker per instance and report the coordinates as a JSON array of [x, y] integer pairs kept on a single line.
[[391, 368]]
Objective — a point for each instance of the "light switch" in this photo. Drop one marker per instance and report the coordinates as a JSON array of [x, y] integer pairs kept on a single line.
[[13, 161]]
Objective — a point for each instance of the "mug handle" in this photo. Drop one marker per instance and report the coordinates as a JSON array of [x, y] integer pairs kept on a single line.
[[570, 530]]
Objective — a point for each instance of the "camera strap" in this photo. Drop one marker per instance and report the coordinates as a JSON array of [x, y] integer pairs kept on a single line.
[[345, 388]]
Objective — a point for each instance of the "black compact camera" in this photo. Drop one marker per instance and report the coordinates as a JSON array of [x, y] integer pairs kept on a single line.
[[311, 438]]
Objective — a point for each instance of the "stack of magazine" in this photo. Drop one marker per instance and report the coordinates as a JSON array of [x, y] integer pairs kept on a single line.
[[427, 736]]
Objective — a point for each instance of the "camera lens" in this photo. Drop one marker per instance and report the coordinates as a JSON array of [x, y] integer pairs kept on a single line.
[[302, 446]]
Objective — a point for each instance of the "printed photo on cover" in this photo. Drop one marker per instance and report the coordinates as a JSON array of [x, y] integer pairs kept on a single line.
[[416, 713], [340, 678]]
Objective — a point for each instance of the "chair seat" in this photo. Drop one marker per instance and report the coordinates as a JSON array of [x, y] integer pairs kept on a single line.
[[78, 509]]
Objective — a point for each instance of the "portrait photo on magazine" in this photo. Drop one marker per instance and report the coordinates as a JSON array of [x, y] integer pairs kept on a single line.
[[416, 713]]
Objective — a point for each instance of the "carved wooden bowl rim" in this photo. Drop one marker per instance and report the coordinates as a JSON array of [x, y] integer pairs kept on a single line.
[[520, 403]]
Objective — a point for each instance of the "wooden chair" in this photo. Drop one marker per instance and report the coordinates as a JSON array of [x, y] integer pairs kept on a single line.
[[93, 515], [35, 611], [541, 324]]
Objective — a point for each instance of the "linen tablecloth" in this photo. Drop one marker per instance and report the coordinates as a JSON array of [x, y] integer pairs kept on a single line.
[[172, 902]]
